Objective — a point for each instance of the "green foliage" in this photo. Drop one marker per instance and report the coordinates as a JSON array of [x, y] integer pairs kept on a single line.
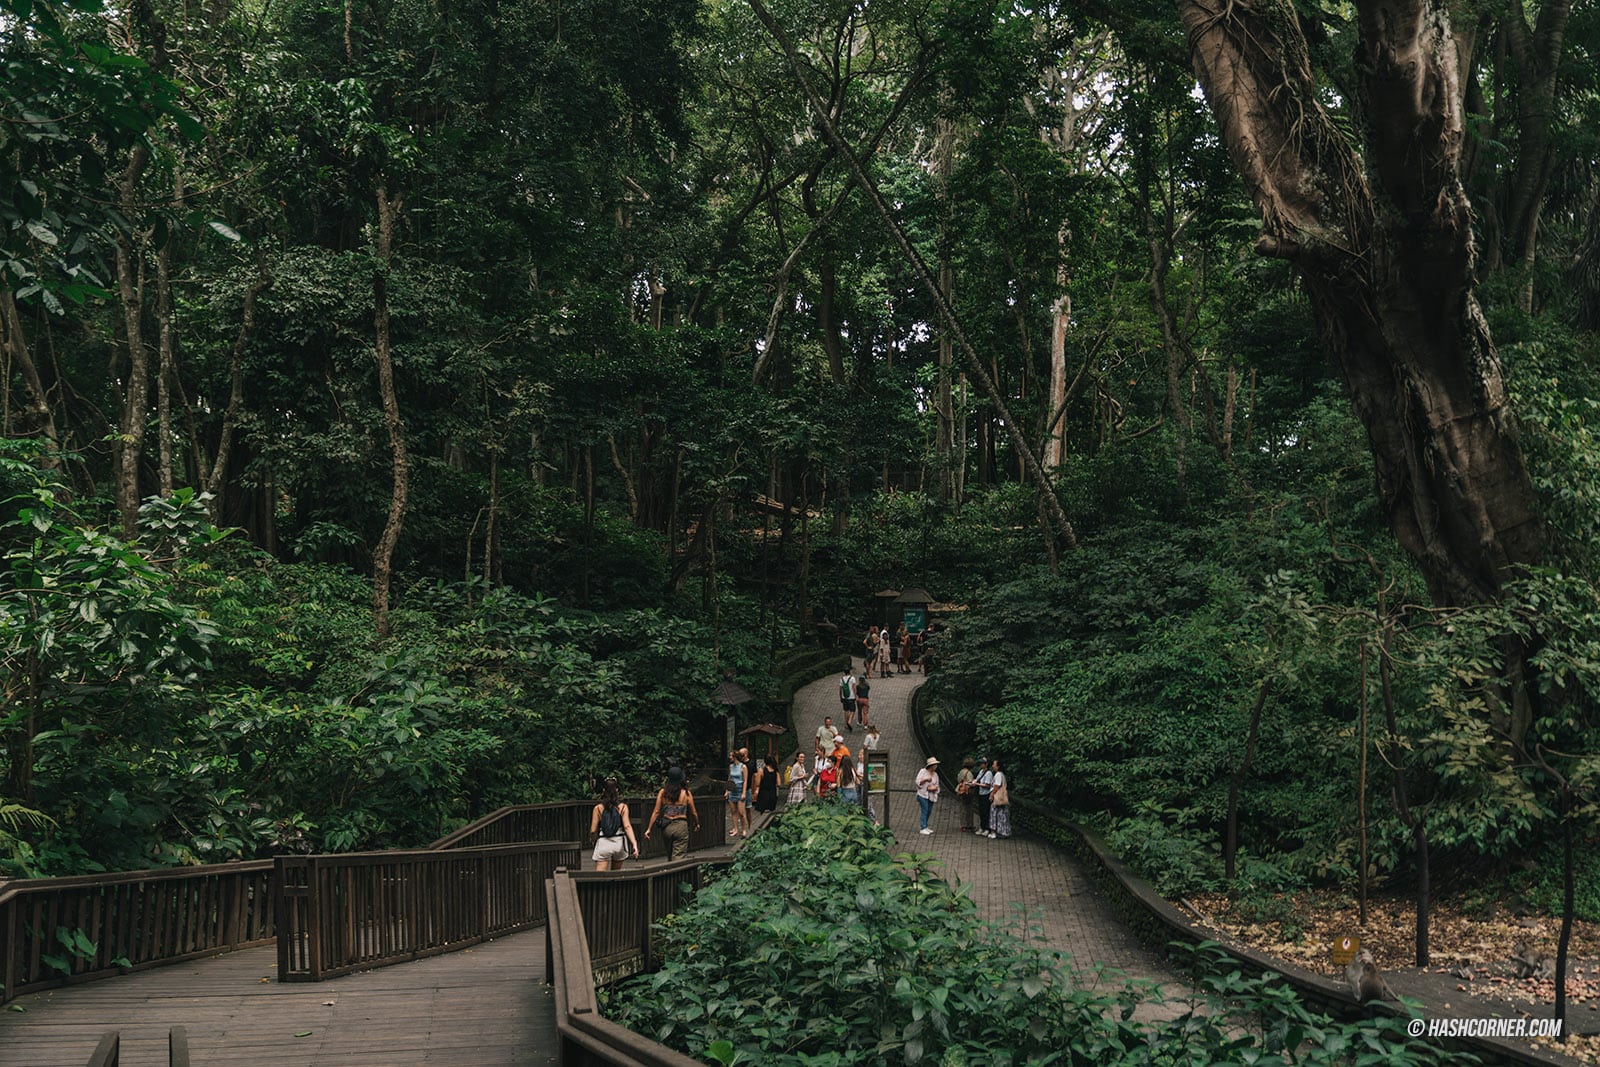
[[873, 958], [1160, 843], [76, 946], [70, 104], [1543, 887], [832, 663]]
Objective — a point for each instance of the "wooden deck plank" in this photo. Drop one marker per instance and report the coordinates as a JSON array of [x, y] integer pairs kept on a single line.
[[487, 1006]]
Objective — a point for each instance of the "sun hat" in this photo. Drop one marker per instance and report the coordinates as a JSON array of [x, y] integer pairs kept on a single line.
[[675, 775], [933, 761]]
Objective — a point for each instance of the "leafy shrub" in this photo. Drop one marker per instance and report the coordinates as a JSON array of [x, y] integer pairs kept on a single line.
[[819, 947], [824, 665], [1544, 889], [1160, 844]]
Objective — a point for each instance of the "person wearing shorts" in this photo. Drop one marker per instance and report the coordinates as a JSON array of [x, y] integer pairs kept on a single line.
[[611, 830]]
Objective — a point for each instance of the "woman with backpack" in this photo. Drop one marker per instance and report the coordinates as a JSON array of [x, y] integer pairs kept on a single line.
[[612, 830]]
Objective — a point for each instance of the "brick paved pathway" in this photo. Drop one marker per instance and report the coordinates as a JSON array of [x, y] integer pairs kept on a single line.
[[1051, 886]]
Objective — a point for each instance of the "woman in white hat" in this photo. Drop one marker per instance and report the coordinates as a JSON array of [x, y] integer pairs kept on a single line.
[[928, 791]]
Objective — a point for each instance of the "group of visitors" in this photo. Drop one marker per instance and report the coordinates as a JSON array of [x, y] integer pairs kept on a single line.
[[834, 773], [749, 791], [897, 651], [985, 794], [611, 827]]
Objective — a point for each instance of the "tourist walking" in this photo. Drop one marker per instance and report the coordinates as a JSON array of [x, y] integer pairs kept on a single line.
[[884, 652], [863, 698], [928, 791], [825, 734], [611, 830], [999, 802], [674, 808], [966, 791], [847, 697], [765, 788], [869, 645], [905, 650]]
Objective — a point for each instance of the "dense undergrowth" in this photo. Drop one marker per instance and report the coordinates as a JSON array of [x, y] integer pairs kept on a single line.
[[820, 947], [1123, 687], [194, 700]]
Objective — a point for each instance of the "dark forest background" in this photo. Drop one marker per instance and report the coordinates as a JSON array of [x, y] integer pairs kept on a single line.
[[416, 408]]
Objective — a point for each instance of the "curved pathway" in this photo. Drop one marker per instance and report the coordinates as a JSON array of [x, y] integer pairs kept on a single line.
[[1020, 875]]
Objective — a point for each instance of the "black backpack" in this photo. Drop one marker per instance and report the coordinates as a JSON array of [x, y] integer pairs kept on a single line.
[[610, 822]]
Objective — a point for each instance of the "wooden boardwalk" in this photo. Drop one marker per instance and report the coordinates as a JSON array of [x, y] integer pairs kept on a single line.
[[486, 1006]]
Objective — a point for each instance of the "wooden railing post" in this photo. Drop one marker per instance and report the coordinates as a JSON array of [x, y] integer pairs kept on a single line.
[[484, 898], [177, 1047], [11, 945], [313, 917]]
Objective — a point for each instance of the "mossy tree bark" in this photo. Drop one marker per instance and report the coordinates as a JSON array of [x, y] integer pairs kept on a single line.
[[1383, 242]]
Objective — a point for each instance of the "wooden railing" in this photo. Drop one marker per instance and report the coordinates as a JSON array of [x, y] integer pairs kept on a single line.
[[350, 911], [99, 925], [569, 821], [367, 908], [108, 1053], [585, 1036], [601, 929]]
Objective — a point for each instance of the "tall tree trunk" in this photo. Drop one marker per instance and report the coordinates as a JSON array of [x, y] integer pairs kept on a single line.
[[944, 396], [1537, 54], [1384, 246], [166, 341], [400, 466], [40, 420], [1055, 431], [217, 479], [1230, 841], [1415, 821], [164, 366], [491, 537], [828, 319], [136, 397], [1584, 275]]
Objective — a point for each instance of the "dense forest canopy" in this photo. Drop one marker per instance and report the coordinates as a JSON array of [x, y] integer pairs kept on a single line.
[[414, 408]]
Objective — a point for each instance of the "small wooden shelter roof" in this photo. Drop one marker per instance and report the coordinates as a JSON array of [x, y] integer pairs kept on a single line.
[[731, 692]]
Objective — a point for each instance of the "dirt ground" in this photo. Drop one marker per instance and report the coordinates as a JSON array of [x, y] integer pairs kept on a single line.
[[1469, 956]]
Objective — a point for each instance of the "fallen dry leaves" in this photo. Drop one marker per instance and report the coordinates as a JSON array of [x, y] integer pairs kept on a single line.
[[1474, 953]]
